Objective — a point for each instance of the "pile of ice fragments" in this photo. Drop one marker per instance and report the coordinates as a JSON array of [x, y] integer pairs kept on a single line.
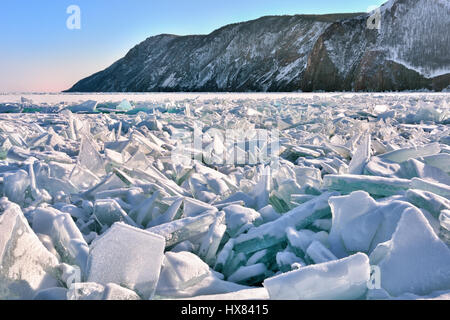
[[357, 205]]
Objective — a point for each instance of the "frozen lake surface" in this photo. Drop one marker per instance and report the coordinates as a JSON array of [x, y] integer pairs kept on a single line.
[[225, 196]]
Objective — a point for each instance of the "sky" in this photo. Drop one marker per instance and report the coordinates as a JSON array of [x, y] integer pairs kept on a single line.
[[39, 53]]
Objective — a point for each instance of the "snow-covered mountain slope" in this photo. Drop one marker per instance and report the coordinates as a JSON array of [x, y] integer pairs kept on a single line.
[[289, 53]]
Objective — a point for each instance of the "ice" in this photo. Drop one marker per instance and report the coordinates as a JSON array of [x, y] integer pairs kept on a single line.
[[271, 233], [88, 106], [360, 223], [90, 158], [435, 187], [440, 161], [185, 275], [242, 295], [250, 274], [319, 253], [16, 185], [286, 260], [240, 219], [51, 294], [336, 280], [405, 154], [95, 291], [444, 219], [184, 229], [299, 241], [428, 201], [414, 260], [210, 245], [124, 106], [342, 170], [444, 232], [108, 212], [65, 235], [129, 257], [361, 156], [26, 266], [375, 185], [193, 207]]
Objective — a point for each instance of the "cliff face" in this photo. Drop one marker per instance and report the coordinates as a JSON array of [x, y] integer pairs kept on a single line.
[[289, 53]]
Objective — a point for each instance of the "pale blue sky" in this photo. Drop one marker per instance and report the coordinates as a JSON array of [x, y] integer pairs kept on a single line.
[[38, 53]]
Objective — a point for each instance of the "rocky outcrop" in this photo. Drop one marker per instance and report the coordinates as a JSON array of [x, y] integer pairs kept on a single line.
[[291, 53]]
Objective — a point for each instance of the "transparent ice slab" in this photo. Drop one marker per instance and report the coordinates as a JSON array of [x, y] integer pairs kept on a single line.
[[26, 266], [344, 279], [108, 211], [66, 237], [184, 229], [377, 186], [129, 257], [412, 153]]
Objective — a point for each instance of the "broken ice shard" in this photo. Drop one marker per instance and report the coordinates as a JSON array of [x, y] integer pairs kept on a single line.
[[435, 187], [429, 201], [319, 253], [108, 212], [129, 257], [361, 157], [272, 233], [185, 275], [336, 280], [26, 266], [211, 242], [415, 260], [66, 237], [377, 186], [405, 154], [250, 275], [184, 229]]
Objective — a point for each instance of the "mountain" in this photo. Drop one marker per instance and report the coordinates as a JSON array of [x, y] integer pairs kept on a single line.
[[289, 53]]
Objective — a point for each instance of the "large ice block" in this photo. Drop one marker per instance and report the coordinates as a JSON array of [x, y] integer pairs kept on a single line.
[[336, 280], [66, 237], [186, 275], [377, 186], [271, 233], [129, 257], [360, 223], [415, 260], [405, 154], [26, 266]]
